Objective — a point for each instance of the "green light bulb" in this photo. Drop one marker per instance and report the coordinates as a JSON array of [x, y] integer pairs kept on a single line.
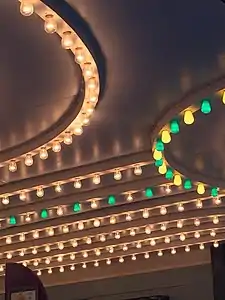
[[159, 145], [174, 126], [77, 207], [44, 214], [169, 174], [12, 220], [111, 200], [159, 163], [214, 192], [148, 192], [206, 106], [187, 184]]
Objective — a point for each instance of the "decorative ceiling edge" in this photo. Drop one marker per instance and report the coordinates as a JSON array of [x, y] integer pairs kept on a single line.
[[82, 45], [186, 104]]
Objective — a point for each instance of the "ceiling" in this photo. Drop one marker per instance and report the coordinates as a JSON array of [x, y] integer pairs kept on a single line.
[[149, 56]]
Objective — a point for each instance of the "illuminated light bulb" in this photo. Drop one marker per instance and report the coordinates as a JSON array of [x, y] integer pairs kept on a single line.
[[215, 244], [29, 160], [163, 210], [167, 189], [152, 242], [217, 200], [79, 55], [39, 273], [67, 41], [1, 268], [128, 217], [180, 223], [72, 256], [47, 248], [88, 240], [43, 154], [94, 204], [74, 243], [8, 240], [97, 223], [223, 97], [88, 70], [25, 264], [50, 24], [56, 147], [85, 254], [108, 261], [68, 138], [92, 83], [133, 257], [77, 184], [84, 266], [40, 192], [146, 255], [96, 179], [138, 245], [166, 137], [47, 261], [148, 229], [5, 200], [35, 263], [34, 251], [60, 245], [61, 269], [26, 8], [145, 213], [160, 253], [22, 237], [80, 225], [117, 175], [58, 188], [49, 271], [72, 267], [111, 249], [137, 170], [157, 155], [213, 233], [200, 189], [12, 166], [173, 251], [78, 130], [132, 232], [215, 220], [129, 197], [27, 218], [187, 249], [96, 264], [198, 203], [22, 196], [197, 222], [167, 240], [117, 235], [90, 110], [125, 247], [60, 211], [188, 117], [206, 107], [182, 237], [60, 258], [102, 238], [9, 255], [197, 234], [97, 252], [163, 227], [177, 180], [112, 220], [51, 231], [180, 207], [121, 259], [65, 229], [86, 120], [36, 234], [162, 169]]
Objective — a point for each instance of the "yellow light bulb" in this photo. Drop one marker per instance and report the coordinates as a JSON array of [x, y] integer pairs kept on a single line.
[[157, 155], [223, 97], [177, 180], [162, 169], [79, 55], [200, 189], [188, 117], [166, 137], [67, 40], [50, 24], [26, 8]]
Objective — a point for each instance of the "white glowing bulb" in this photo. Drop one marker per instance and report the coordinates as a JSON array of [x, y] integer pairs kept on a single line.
[[117, 175], [8, 240], [160, 253], [197, 222], [197, 234], [58, 188], [9, 255], [72, 256], [96, 179], [121, 259], [182, 237], [93, 98], [34, 251], [79, 55], [29, 160], [145, 213], [51, 231], [47, 261], [25, 264], [50, 271], [85, 254], [87, 70], [47, 248], [110, 249], [72, 267], [60, 258], [88, 240], [152, 242], [40, 192], [56, 147], [167, 189], [43, 154], [215, 220], [84, 266], [112, 220], [27, 218], [92, 83], [12, 166], [201, 246], [36, 234], [163, 210], [26, 8], [173, 251], [137, 170], [22, 237], [1, 268], [97, 252], [117, 235], [60, 245], [132, 232], [108, 261], [60, 211], [167, 240], [86, 120], [138, 245], [148, 229], [128, 217], [187, 249], [216, 244], [180, 223], [80, 225], [5, 200], [180, 207], [65, 229], [217, 200], [50, 24], [39, 272], [77, 184], [146, 255], [22, 196], [94, 204], [67, 41], [35, 263], [129, 197], [213, 233], [125, 247], [96, 263], [163, 227], [61, 269], [102, 238], [199, 203], [68, 138], [78, 130], [133, 257], [74, 243]]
